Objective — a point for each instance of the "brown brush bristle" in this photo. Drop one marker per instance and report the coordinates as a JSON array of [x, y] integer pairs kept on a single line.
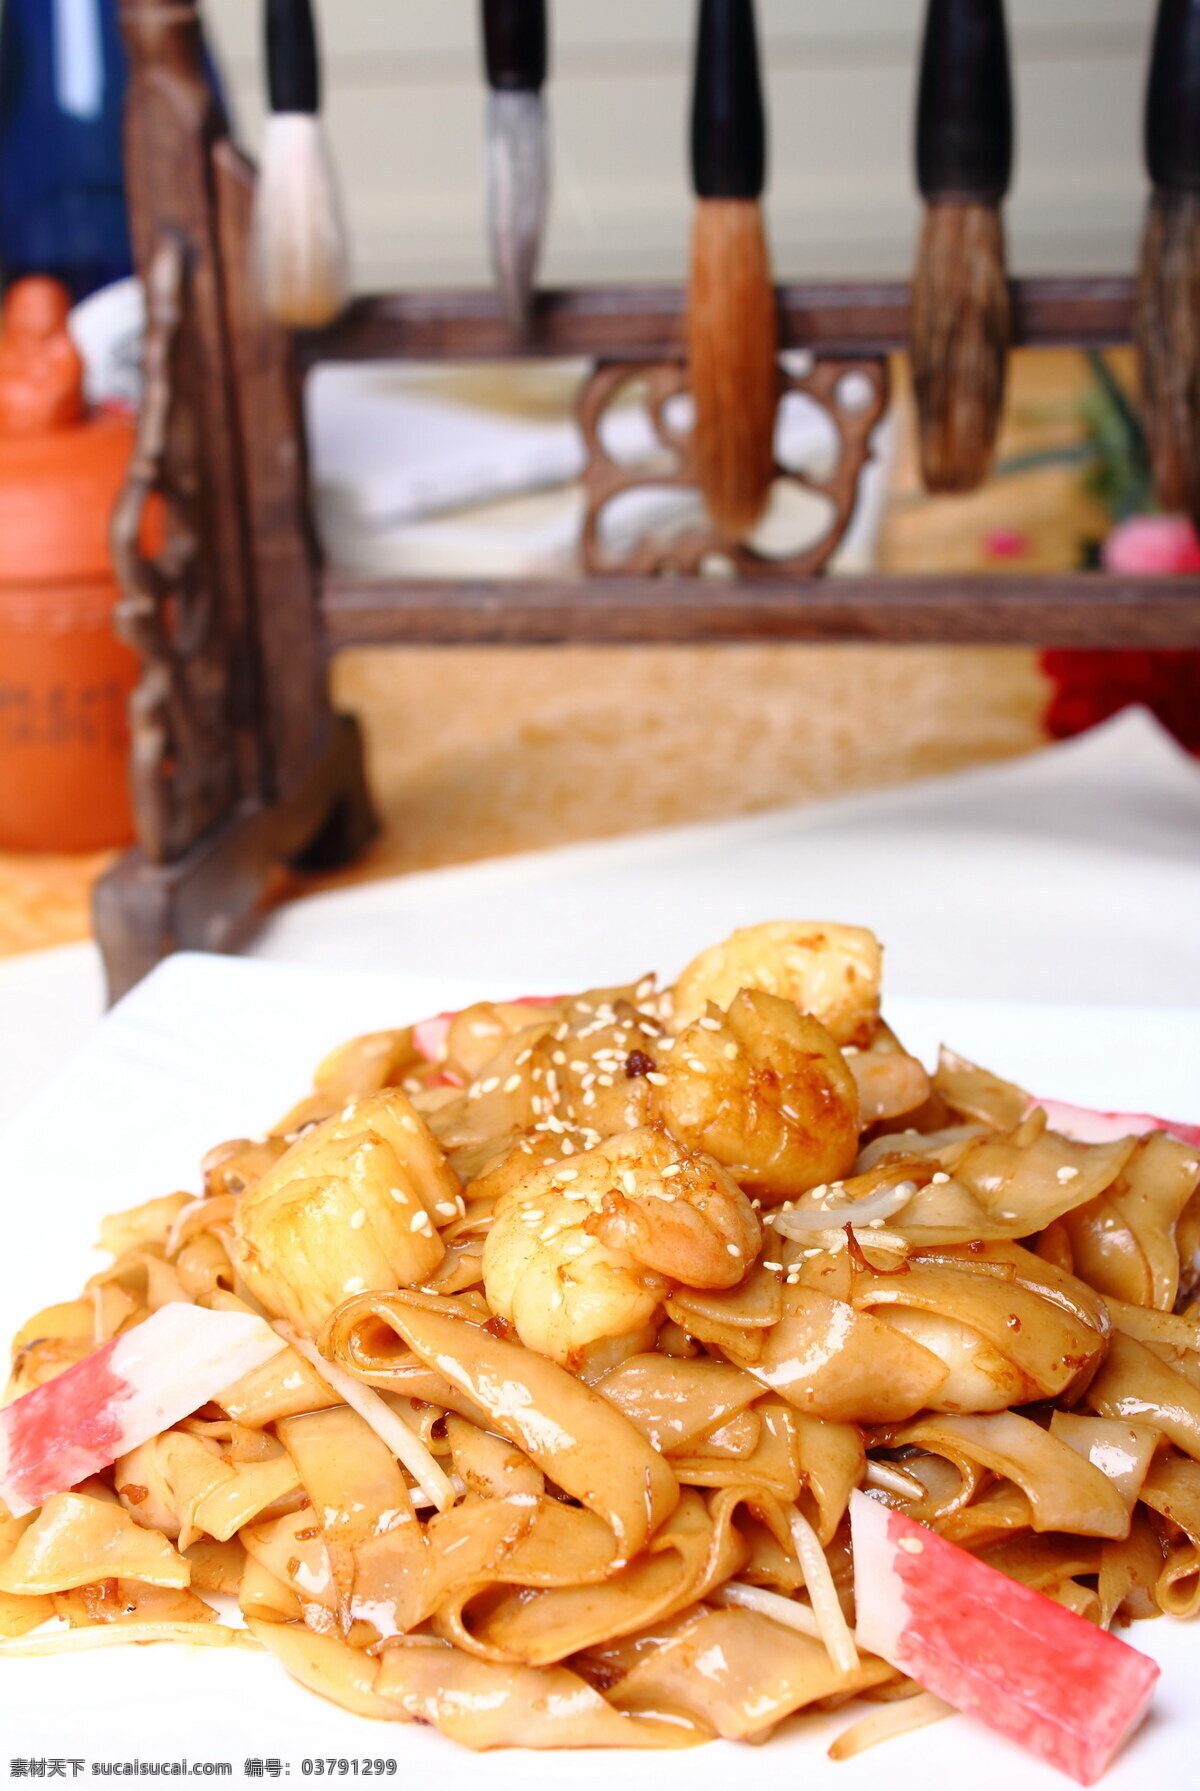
[[732, 343], [959, 337], [1167, 333]]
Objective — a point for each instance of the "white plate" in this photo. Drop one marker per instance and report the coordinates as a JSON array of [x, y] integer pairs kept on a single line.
[[209, 1048]]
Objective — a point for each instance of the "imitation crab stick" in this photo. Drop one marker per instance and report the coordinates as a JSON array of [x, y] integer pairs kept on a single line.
[[999, 1651], [121, 1395], [1090, 1125]]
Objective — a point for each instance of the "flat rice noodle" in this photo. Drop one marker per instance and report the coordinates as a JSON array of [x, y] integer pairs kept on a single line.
[[327, 1666], [354, 1483], [1120, 1450], [574, 1435], [1064, 1490], [1123, 1242], [1172, 1489], [949, 1485], [281, 1388], [130, 1601], [216, 1566], [1000, 1511], [672, 1401], [1179, 1332], [607, 1663], [1136, 1383], [734, 1440], [1129, 1571], [831, 1459], [260, 1594], [162, 1480], [461, 1267], [1047, 1347], [1006, 1259], [149, 1223], [252, 1490], [205, 1267], [18, 1615], [740, 1673], [1022, 1180], [75, 1539], [830, 1361], [489, 1465], [292, 1550], [70, 1321], [978, 1094], [1044, 1562], [755, 1303], [682, 1562], [396, 1589], [771, 1470], [481, 1705]]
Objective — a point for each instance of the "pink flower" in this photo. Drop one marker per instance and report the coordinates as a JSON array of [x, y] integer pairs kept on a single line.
[[1006, 544], [1152, 546]]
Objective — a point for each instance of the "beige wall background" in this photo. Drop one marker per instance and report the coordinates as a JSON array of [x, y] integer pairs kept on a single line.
[[405, 103]]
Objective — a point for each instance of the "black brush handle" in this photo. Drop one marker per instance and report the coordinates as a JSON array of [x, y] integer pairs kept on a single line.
[[293, 62], [964, 102], [1173, 98], [514, 44], [729, 135]]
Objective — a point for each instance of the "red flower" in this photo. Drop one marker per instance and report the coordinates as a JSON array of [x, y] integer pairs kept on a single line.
[[1092, 684]]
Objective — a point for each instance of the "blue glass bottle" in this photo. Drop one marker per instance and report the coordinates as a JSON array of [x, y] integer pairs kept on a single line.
[[62, 190]]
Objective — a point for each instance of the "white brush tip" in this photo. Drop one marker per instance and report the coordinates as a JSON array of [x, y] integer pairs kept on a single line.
[[300, 240], [518, 190]]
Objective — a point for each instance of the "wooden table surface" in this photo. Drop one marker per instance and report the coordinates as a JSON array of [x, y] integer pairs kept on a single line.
[[480, 752]]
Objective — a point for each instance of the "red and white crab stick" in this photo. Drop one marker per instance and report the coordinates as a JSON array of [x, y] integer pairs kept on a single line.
[[1090, 1125], [1046, 1678], [141, 1382]]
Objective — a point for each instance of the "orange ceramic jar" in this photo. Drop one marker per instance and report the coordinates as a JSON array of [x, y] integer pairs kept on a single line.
[[64, 677]]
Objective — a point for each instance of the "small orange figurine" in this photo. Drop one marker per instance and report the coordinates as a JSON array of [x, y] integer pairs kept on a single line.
[[65, 679]]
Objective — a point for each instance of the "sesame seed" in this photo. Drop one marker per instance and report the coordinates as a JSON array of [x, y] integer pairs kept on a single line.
[[694, 1063], [568, 1150], [490, 1086], [524, 1056], [733, 1250], [656, 1078], [709, 1024], [629, 1181], [421, 1222], [730, 1051], [1066, 1173], [398, 1194], [559, 1057], [777, 1266], [513, 1083], [446, 1209], [940, 1178], [409, 1123], [358, 1219]]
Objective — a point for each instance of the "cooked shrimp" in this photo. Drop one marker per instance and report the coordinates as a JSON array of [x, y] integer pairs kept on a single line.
[[889, 1081], [586, 1250], [764, 1090], [830, 971]]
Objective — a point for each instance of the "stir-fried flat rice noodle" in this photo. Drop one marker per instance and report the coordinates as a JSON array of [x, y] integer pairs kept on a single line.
[[597, 1312]]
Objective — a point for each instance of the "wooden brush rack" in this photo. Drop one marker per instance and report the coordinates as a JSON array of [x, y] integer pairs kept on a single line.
[[239, 763]]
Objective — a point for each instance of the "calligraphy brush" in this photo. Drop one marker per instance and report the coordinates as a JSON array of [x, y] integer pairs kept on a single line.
[[518, 161], [960, 326], [300, 241], [1167, 308], [732, 330]]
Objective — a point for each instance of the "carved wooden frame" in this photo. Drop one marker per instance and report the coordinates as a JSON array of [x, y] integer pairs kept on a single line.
[[239, 762]]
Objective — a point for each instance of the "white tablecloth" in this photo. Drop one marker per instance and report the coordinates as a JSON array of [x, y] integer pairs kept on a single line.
[[1069, 875]]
